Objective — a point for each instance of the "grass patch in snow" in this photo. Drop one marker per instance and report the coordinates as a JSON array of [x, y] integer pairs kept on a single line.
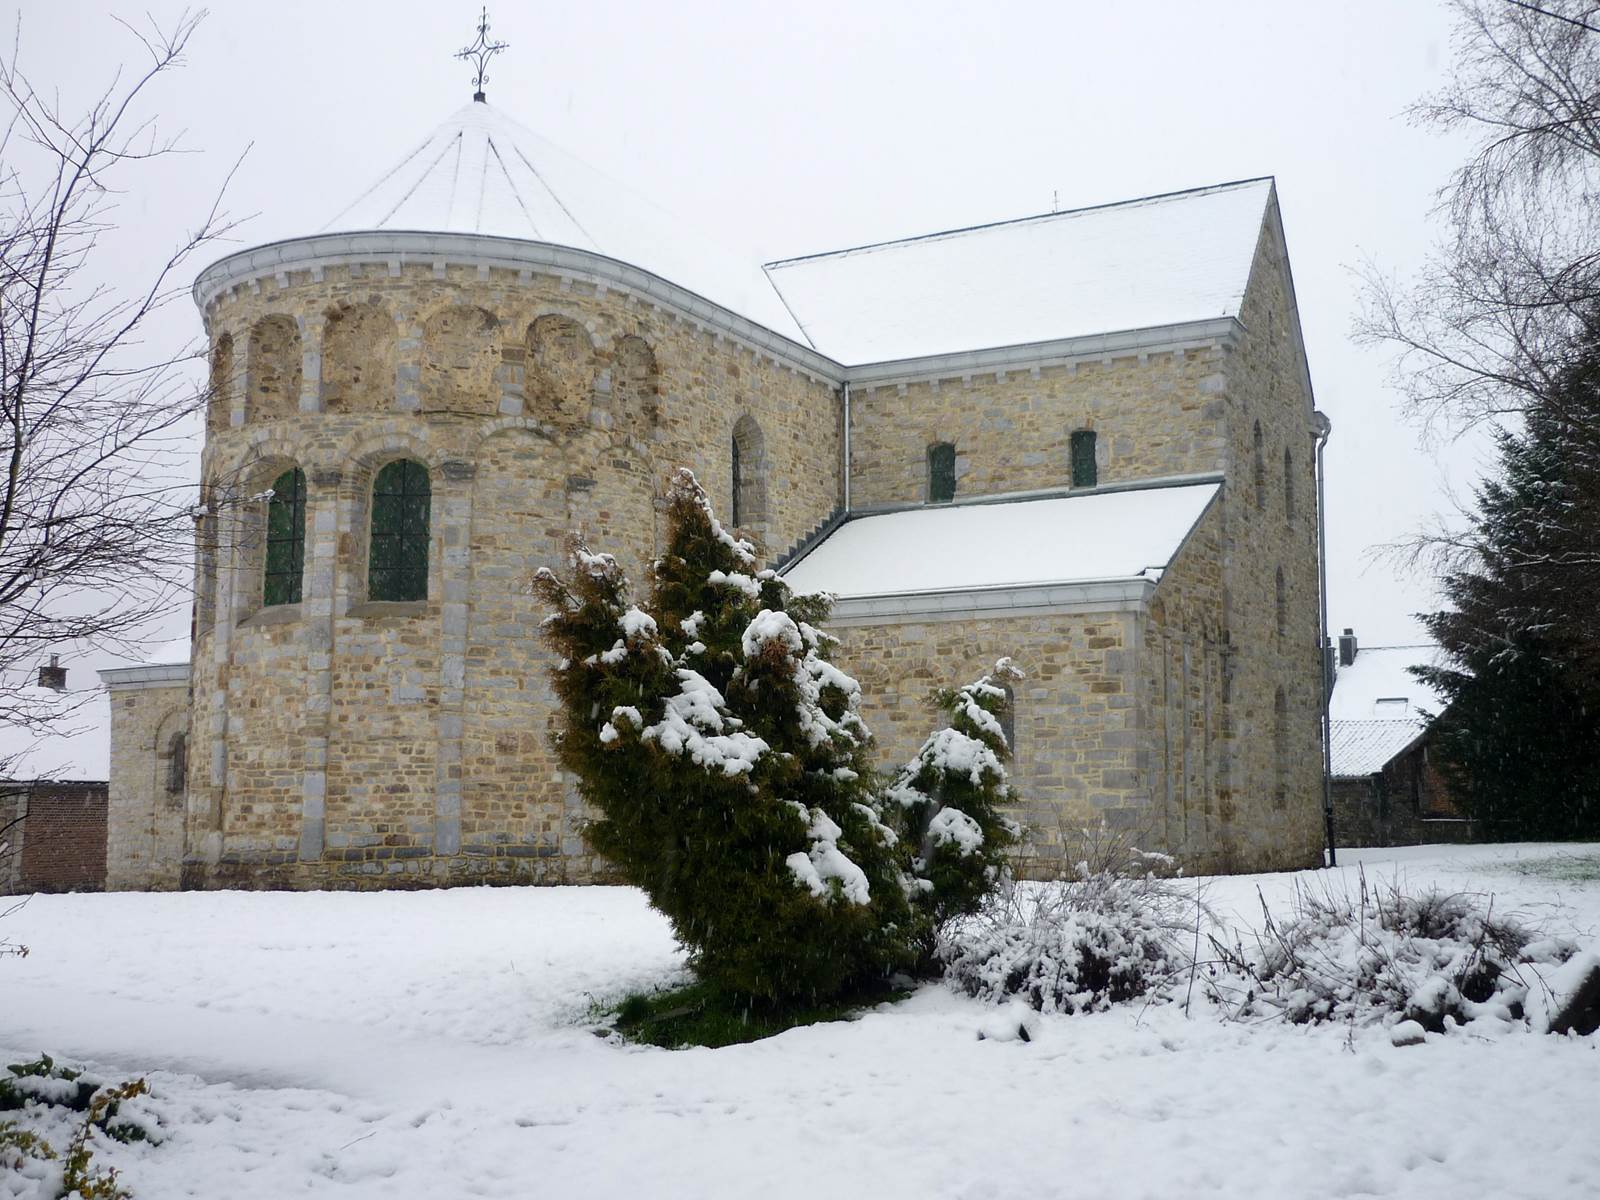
[[1564, 868], [698, 1014]]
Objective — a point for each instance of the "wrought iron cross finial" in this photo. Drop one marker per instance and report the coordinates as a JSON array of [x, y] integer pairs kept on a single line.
[[480, 52]]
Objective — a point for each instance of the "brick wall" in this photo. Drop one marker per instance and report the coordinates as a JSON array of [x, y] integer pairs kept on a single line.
[[1405, 804], [64, 847]]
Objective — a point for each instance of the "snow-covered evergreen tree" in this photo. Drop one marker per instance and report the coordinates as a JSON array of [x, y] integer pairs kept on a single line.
[[730, 765], [946, 802]]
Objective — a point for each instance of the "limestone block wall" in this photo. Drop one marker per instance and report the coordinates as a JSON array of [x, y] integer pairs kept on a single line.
[[341, 741], [1268, 534], [144, 813], [1184, 751], [13, 804], [1152, 415], [1078, 741]]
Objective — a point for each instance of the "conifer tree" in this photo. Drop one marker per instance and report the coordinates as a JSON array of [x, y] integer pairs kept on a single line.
[[1520, 738], [945, 803], [730, 766]]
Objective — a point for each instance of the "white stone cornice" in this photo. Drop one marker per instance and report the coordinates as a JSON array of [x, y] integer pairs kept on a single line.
[[1032, 356], [164, 675], [1046, 599]]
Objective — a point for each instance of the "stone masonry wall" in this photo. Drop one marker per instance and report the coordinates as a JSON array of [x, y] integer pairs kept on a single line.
[[1153, 415], [13, 804], [1076, 757], [1269, 524], [346, 742], [1183, 668], [144, 818]]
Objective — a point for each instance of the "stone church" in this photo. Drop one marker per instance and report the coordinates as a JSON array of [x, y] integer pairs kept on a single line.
[[1083, 439]]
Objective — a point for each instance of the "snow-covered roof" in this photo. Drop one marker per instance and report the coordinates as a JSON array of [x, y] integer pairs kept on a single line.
[[1159, 261], [480, 172], [1105, 535], [1379, 685], [1361, 748]]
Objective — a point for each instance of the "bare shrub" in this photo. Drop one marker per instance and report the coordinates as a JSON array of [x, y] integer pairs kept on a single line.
[[1121, 927]]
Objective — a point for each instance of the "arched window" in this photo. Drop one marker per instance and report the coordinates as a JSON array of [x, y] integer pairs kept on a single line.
[[1288, 486], [1084, 471], [1261, 469], [749, 451], [1280, 749], [286, 539], [397, 566], [1282, 604], [1008, 719], [177, 763], [941, 473]]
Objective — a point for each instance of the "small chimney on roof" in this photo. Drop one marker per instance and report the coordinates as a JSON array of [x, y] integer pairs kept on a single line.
[[1347, 648], [53, 676]]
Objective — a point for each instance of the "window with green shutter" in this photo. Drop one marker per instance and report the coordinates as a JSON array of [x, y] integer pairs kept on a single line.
[[286, 539], [397, 565], [941, 473], [1084, 471]]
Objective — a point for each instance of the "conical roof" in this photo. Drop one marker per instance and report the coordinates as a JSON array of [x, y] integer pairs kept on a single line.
[[480, 172]]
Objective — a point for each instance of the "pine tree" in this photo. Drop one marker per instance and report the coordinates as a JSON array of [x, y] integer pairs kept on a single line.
[[1520, 738], [946, 801], [730, 766]]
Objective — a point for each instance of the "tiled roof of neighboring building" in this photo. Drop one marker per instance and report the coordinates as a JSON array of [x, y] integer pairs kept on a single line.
[[1140, 264], [1074, 538], [1361, 748]]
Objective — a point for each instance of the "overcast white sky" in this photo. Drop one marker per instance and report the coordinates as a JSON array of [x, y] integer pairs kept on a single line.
[[810, 127]]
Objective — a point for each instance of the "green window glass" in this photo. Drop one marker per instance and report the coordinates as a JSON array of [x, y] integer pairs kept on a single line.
[[1084, 472], [286, 539], [397, 566], [941, 473]]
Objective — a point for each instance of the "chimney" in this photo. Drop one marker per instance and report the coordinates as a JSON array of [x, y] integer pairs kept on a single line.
[[1347, 648], [54, 676]]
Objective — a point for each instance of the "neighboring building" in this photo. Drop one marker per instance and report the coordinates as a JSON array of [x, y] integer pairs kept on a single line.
[[52, 835], [53, 794], [1093, 430], [1386, 791]]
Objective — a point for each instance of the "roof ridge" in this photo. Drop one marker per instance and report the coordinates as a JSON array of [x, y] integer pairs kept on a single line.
[[936, 235]]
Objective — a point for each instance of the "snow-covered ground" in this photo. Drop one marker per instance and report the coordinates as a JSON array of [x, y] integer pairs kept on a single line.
[[442, 1044]]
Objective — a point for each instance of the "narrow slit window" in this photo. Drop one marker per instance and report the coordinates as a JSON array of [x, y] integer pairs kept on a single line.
[[398, 566], [1084, 471], [286, 539], [738, 483], [941, 473], [177, 763]]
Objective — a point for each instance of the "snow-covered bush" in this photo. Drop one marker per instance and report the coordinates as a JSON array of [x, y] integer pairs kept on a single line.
[[1379, 954], [729, 764], [945, 803], [55, 1116], [1118, 929]]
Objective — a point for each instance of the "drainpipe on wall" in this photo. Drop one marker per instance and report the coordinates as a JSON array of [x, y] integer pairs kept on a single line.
[[847, 448], [1321, 427]]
